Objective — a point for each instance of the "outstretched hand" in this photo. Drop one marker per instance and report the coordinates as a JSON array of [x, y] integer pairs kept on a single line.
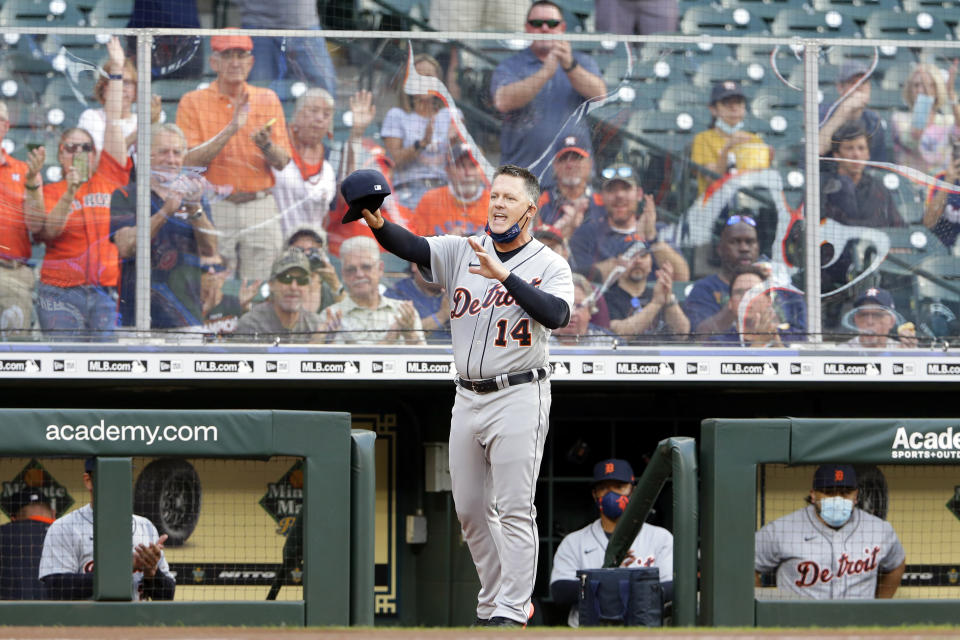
[[374, 220], [489, 267]]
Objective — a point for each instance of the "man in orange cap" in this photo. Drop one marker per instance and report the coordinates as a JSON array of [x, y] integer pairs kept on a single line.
[[238, 132]]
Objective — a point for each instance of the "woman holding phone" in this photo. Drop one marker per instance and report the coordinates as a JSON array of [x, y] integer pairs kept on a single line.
[[77, 293], [921, 136]]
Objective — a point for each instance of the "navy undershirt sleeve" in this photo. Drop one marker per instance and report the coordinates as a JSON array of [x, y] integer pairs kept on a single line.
[[403, 244], [546, 308], [565, 591], [68, 586]]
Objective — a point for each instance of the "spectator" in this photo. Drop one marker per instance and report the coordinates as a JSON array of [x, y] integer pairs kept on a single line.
[[852, 109], [77, 291], [283, 315], [596, 247], [325, 288], [417, 136], [922, 136], [21, 202], [538, 90], [278, 58], [942, 211], [571, 200], [613, 484], [365, 316], [221, 310], [94, 121], [170, 14], [875, 319], [759, 325], [831, 549], [581, 331], [66, 564], [21, 542], [725, 145], [504, 16], [460, 206], [432, 305], [239, 133], [553, 238], [852, 196], [644, 311], [712, 316], [180, 233], [307, 186], [636, 17]]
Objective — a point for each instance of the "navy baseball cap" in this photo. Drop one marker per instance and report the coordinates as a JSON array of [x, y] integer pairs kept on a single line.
[[613, 469], [852, 69], [27, 496], [875, 297], [90, 464], [835, 475], [724, 90], [363, 189], [576, 143]]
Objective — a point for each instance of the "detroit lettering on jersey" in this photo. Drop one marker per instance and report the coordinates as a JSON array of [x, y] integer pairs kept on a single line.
[[496, 296], [810, 573]]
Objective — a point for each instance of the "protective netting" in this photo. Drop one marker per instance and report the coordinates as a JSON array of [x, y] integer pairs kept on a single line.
[[666, 167], [903, 521], [228, 529]]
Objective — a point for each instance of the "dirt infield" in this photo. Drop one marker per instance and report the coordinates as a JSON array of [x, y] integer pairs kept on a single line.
[[235, 633]]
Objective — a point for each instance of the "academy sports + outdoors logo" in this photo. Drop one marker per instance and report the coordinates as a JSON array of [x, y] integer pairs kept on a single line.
[[925, 445], [147, 434]]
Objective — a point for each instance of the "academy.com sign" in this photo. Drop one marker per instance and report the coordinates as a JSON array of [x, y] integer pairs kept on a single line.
[[925, 445], [143, 433]]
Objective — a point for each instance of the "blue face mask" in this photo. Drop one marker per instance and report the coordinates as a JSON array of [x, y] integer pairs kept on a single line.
[[726, 128], [836, 510], [612, 504], [509, 234]]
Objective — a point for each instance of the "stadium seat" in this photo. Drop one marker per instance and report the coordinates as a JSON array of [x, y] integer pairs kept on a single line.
[[801, 23], [858, 10], [679, 97], [59, 94], [946, 268], [895, 77], [708, 20], [111, 13], [715, 71], [763, 9], [672, 131], [826, 76], [888, 57], [895, 25], [945, 10]]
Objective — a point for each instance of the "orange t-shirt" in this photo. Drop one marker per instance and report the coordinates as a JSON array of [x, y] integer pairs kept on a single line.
[[14, 239], [204, 113], [82, 254], [440, 212]]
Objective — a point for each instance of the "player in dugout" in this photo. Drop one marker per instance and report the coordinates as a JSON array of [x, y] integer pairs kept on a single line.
[[831, 549], [66, 563]]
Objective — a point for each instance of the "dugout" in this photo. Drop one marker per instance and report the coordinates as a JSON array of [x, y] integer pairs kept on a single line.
[[434, 583]]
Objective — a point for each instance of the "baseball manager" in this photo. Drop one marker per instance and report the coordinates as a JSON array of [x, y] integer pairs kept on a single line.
[[507, 291]]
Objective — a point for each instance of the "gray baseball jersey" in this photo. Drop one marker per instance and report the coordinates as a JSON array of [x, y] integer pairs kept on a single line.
[[497, 438], [68, 547], [815, 561], [491, 333], [585, 549]]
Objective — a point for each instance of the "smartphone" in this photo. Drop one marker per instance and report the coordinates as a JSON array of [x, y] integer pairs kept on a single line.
[[33, 145], [80, 164]]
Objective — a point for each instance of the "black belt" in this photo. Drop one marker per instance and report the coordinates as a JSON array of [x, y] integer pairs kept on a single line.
[[502, 381]]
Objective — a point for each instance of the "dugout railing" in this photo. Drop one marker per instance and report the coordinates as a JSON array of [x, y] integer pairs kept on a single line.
[[337, 511], [674, 459], [731, 452]]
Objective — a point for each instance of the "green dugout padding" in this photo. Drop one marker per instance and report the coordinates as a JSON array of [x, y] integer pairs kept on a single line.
[[322, 439], [674, 458], [730, 452], [363, 490]]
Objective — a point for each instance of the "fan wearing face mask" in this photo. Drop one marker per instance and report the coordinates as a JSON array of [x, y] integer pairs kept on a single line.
[[613, 483], [831, 549], [725, 144]]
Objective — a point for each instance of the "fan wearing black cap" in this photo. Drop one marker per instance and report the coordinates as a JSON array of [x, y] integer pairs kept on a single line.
[[66, 564], [613, 482], [507, 292], [21, 541], [712, 148], [831, 549]]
